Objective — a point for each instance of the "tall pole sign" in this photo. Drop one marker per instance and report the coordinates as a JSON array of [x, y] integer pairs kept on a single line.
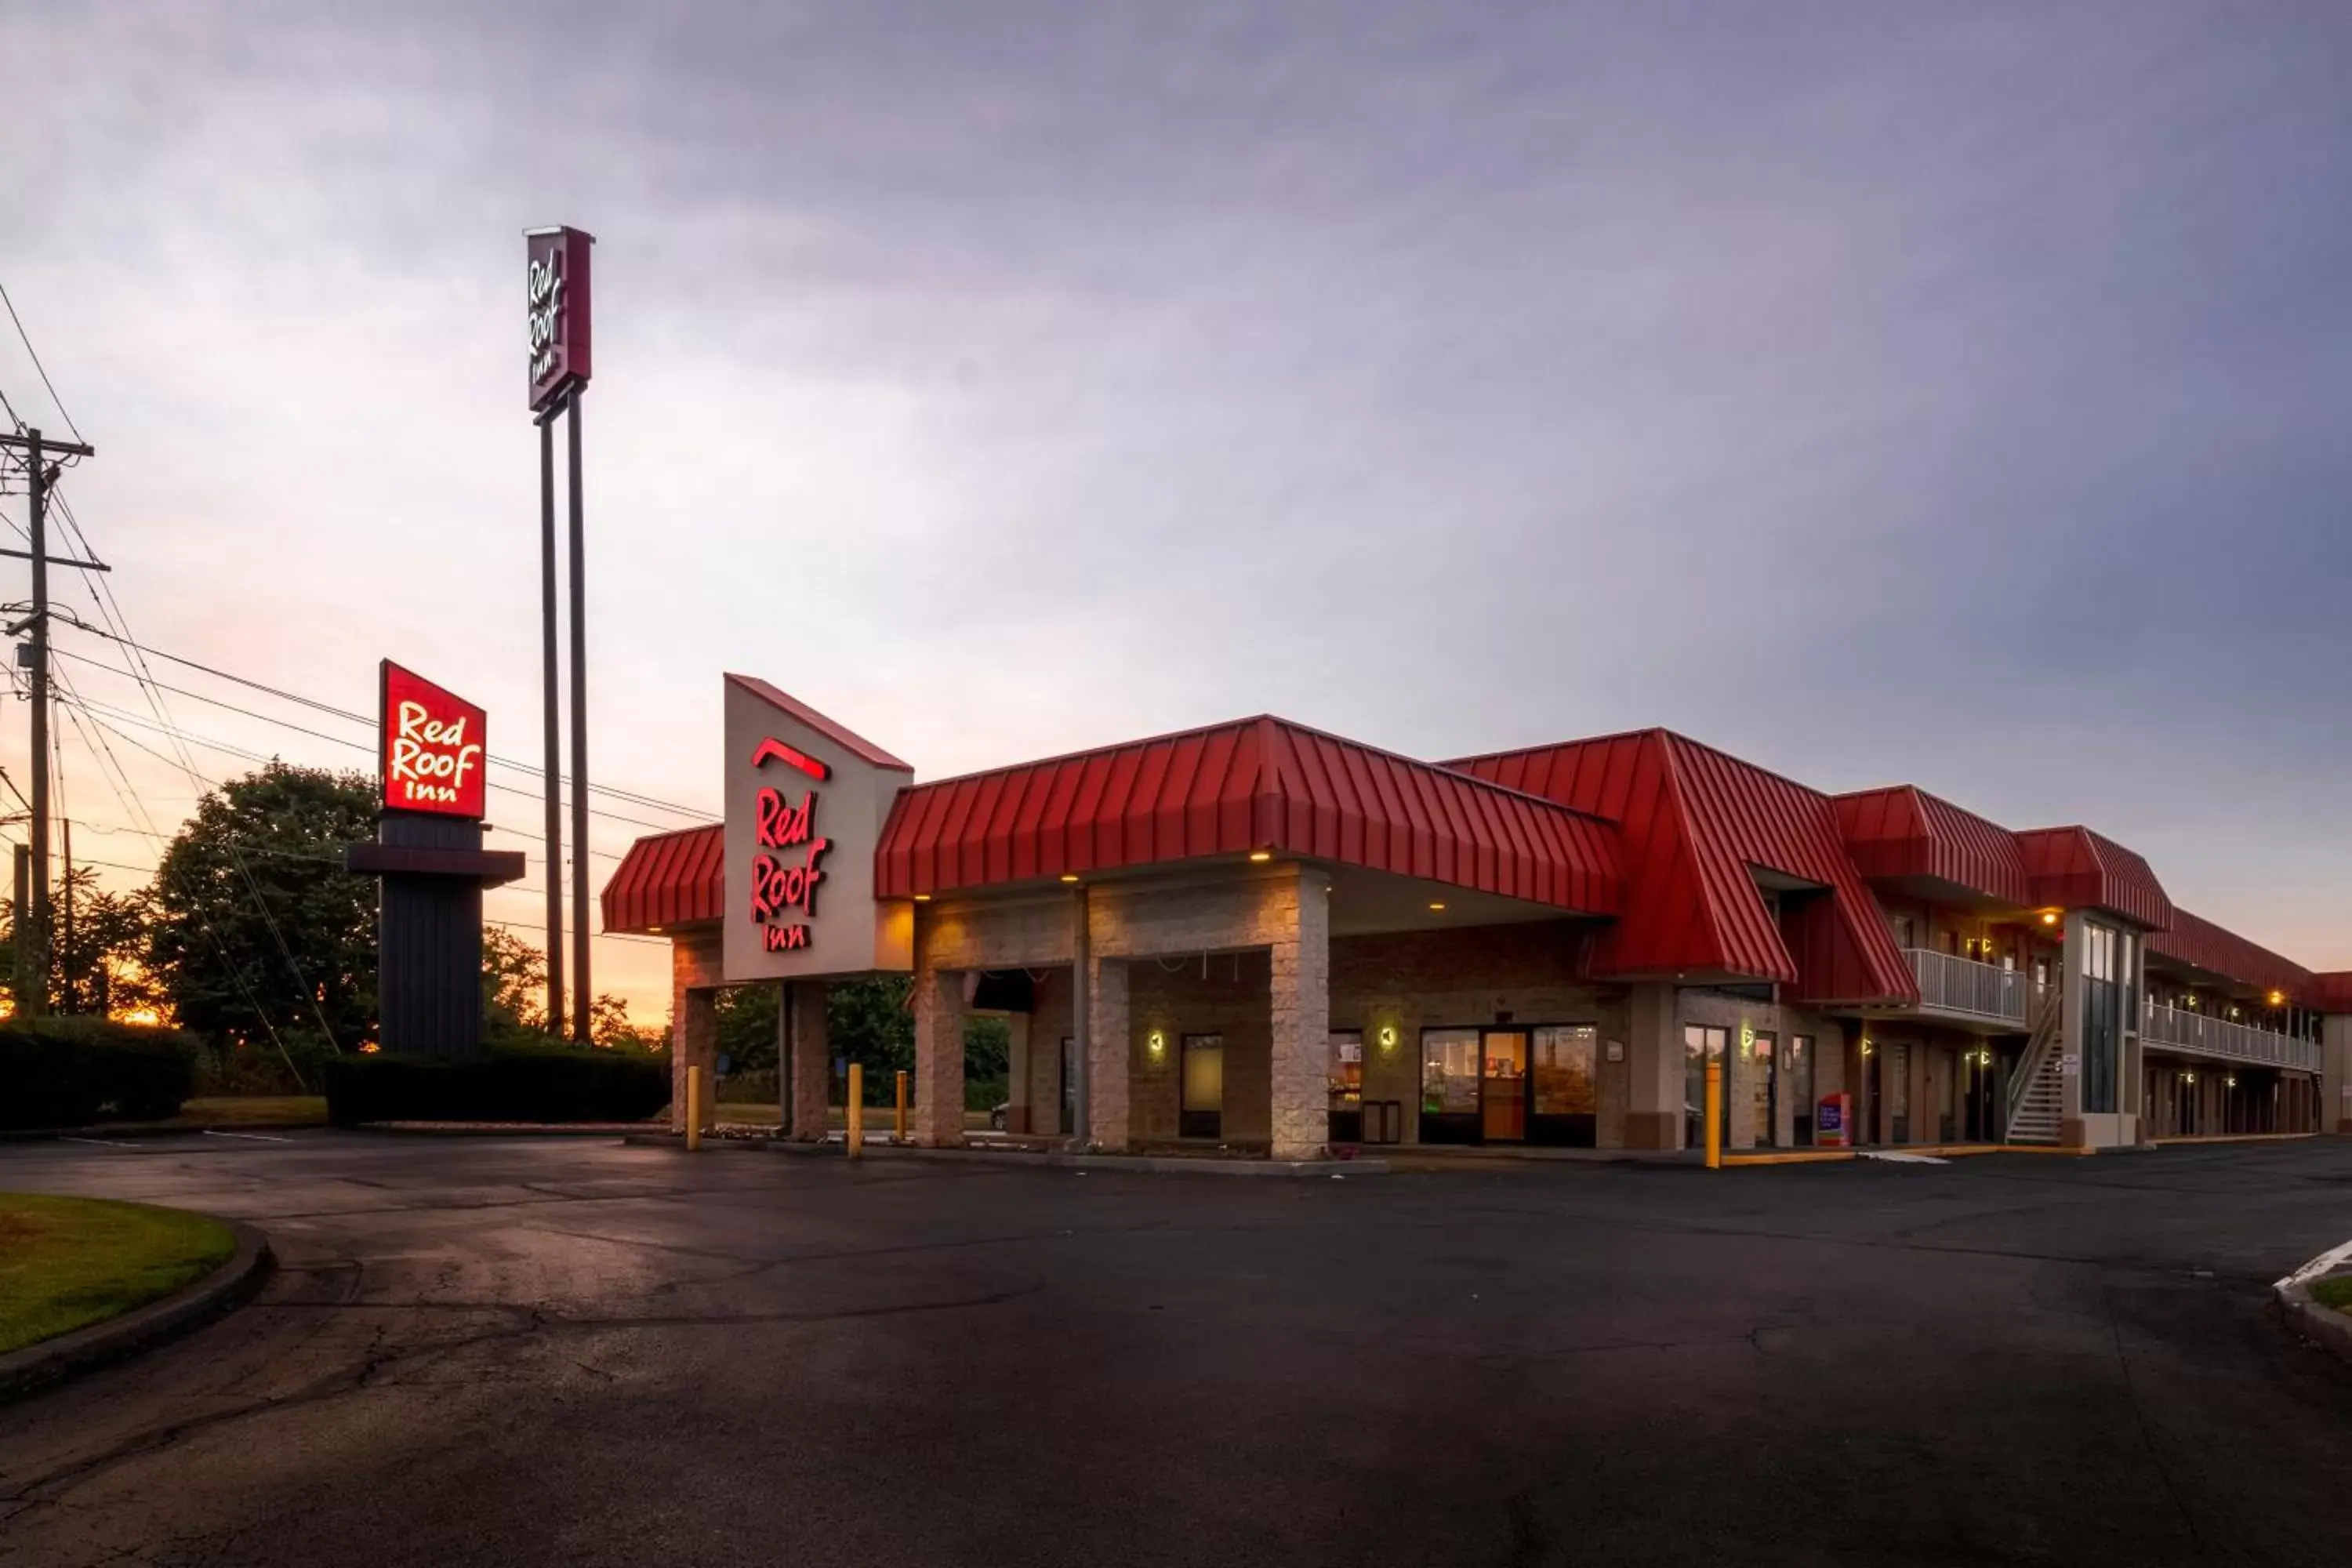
[[555, 299]]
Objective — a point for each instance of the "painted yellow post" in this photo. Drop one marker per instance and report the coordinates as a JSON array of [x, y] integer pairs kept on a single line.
[[857, 1108], [900, 1132], [693, 1109], [1714, 1113]]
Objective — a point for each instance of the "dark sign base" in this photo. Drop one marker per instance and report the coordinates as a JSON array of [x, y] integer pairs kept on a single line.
[[429, 929]]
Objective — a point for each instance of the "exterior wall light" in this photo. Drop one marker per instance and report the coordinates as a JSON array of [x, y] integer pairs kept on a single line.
[[2278, 998], [1260, 856], [1869, 1045], [922, 898], [2189, 1077], [2049, 917], [1156, 1042], [1387, 1036], [1069, 876], [2230, 1081], [1437, 904]]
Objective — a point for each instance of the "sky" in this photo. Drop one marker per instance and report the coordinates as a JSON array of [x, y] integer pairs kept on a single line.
[[1947, 395]]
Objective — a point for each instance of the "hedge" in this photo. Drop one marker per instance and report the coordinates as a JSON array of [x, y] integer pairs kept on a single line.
[[62, 1071], [507, 1083]]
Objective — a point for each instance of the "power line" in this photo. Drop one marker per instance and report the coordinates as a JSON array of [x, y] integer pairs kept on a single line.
[[39, 366], [608, 790]]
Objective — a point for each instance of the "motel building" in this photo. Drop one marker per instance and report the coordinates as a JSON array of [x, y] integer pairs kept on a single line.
[[1260, 937]]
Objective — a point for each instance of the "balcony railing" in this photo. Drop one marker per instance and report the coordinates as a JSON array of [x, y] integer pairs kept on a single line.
[[2185, 1028], [1953, 984]]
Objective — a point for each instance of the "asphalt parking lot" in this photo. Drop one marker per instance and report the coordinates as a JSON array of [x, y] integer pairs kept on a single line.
[[518, 1351]]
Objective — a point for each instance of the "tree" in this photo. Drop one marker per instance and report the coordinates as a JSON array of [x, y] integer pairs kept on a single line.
[[514, 987], [609, 1026], [98, 964], [257, 927]]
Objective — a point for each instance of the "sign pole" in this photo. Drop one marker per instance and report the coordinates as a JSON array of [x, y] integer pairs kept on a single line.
[[582, 996], [549, 700], [559, 328]]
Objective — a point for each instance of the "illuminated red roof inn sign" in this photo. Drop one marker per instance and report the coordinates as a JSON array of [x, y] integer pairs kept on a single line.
[[432, 747], [555, 304]]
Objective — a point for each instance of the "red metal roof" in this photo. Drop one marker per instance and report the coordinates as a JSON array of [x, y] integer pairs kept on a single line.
[[2202, 944], [1695, 820], [849, 740], [1229, 789], [1904, 831], [2075, 868], [2331, 991], [668, 879]]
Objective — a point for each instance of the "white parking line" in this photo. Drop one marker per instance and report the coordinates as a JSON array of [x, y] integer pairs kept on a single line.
[[256, 1137], [103, 1142]]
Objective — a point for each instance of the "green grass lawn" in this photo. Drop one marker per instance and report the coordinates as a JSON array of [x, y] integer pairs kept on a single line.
[[2335, 1291], [65, 1263], [308, 1108]]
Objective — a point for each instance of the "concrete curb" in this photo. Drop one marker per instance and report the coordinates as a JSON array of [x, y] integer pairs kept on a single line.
[[85, 1350], [1149, 1164], [2325, 1326]]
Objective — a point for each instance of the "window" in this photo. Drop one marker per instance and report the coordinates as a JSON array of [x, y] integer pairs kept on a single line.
[[2104, 952], [1449, 1072], [1347, 1067], [1564, 1083], [1906, 932]]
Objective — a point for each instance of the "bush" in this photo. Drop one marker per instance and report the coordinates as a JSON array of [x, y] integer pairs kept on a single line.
[[70, 1071], [507, 1083]]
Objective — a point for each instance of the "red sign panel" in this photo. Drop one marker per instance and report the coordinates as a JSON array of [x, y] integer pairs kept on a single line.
[[784, 889], [555, 302], [431, 746]]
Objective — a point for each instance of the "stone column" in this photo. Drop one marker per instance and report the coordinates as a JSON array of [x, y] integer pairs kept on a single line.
[[694, 1042], [1300, 998], [1739, 1089], [694, 968], [812, 1062], [1016, 1073], [1655, 1053], [2335, 1074], [1107, 1049], [939, 1057]]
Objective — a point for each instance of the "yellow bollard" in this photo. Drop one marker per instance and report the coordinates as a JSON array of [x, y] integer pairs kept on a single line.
[[857, 1108], [901, 1128], [693, 1109], [1714, 1114]]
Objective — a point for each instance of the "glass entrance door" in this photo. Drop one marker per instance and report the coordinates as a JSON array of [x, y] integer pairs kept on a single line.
[[1764, 1091], [1564, 1106], [1702, 1045], [1502, 1086], [1201, 1111]]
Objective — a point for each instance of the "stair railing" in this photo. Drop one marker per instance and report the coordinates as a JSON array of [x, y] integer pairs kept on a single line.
[[2038, 1047]]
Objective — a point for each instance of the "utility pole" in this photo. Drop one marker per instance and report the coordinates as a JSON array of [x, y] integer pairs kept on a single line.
[[22, 914], [65, 947], [36, 997]]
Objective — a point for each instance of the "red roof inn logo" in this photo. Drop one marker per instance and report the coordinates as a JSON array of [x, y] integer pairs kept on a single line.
[[555, 305], [782, 888], [432, 747]]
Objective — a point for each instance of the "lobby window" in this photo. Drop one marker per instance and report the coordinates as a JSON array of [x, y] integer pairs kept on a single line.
[[1347, 1067], [2105, 951]]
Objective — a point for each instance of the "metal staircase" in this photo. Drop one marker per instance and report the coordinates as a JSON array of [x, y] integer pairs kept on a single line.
[[2036, 1092]]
